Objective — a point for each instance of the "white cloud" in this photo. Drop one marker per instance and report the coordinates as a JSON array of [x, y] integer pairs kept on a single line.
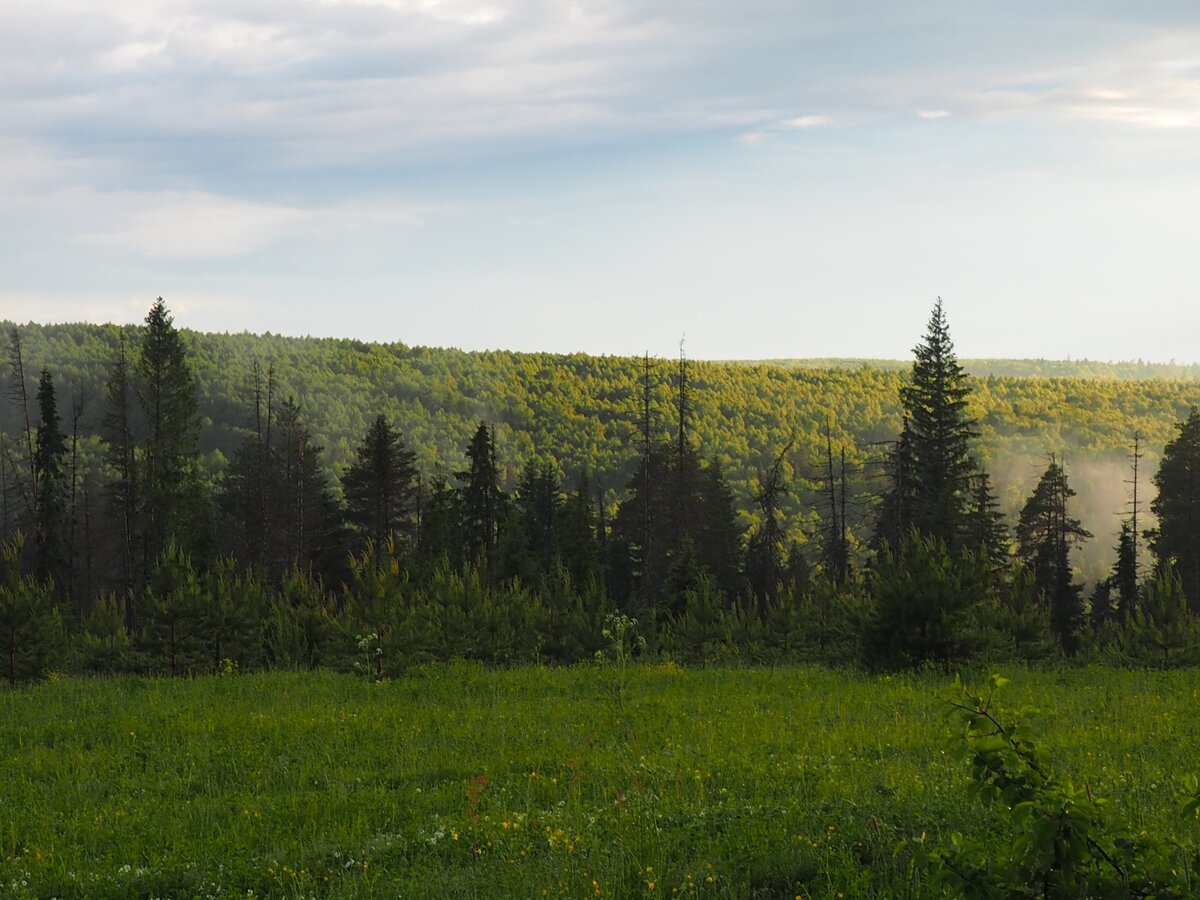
[[194, 225], [802, 123], [932, 113]]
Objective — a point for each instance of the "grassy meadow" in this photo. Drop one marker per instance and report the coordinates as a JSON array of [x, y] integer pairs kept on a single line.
[[457, 781]]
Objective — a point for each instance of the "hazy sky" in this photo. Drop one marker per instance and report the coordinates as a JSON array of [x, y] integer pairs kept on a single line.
[[771, 178]]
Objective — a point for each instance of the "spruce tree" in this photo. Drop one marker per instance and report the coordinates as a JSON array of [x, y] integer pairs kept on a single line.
[[984, 528], [167, 396], [538, 503], [578, 543], [1125, 576], [940, 432], [480, 499], [380, 486], [1045, 533], [1176, 539]]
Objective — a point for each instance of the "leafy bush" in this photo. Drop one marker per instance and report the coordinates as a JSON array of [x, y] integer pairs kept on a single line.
[[1065, 845]]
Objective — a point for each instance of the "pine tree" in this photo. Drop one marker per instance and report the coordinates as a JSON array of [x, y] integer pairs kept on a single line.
[[31, 632], [380, 486], [1176, 539]]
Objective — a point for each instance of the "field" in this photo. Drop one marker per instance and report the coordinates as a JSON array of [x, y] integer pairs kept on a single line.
[[458, 781]]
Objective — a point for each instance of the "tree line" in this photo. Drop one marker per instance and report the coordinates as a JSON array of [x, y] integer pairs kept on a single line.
[[140, 557]]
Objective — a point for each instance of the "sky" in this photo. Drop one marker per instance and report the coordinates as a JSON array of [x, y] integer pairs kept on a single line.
[[765, 178]]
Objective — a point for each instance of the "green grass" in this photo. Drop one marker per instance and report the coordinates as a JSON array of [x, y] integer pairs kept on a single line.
[[463, 782]]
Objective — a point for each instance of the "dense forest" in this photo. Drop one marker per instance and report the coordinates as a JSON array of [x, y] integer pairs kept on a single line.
[[584, 410], [180, 501]]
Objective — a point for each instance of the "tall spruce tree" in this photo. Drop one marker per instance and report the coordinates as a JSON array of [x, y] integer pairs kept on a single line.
[[940, 431], [1176, 540], [167, 396], [380, 486]]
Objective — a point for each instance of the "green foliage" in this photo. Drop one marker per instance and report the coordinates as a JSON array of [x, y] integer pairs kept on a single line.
[[702, 632], [924, 604], [31, 632], [1064, 843], [167, 396], [1161, 632], [1046, 533], [300, 630], [940, 433], [171, 613], [1017, 624], [794, 781], [105, 647], [380, 485], [1176, 539]]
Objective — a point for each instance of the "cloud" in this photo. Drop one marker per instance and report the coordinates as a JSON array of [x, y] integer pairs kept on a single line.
[[803, 123], [200, 94], [193, 225], [932, 114]]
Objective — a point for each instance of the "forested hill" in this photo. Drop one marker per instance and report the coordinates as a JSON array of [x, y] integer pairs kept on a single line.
[[1130, 370], [581, 410]]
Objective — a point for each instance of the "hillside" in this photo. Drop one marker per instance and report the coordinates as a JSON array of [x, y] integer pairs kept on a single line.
[[1128, 370], [581, 409]]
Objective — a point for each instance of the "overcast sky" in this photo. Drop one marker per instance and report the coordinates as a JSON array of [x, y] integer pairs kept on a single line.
[[771, 177]]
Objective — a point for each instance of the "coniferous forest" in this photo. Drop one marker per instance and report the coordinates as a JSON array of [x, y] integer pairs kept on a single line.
[[180, 503]]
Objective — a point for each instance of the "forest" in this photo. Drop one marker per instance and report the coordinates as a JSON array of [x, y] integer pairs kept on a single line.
[[180, 502]]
